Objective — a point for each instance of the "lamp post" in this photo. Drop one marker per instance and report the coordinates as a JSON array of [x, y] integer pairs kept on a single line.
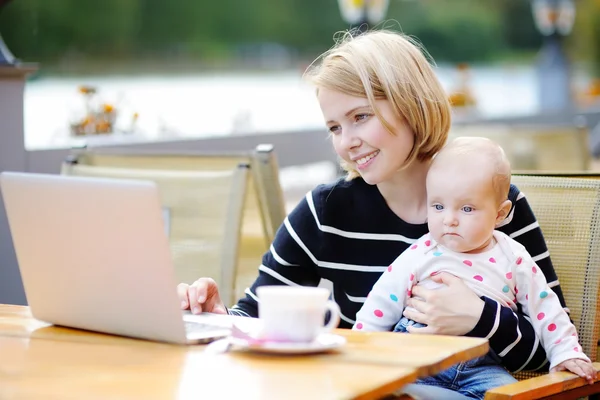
[[363, 13], [554, 19]]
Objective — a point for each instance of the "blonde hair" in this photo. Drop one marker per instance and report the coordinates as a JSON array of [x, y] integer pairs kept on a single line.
[[483, 151], [391, 66]]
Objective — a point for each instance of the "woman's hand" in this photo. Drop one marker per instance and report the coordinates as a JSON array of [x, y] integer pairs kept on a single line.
[[451, 310], [201, 296]]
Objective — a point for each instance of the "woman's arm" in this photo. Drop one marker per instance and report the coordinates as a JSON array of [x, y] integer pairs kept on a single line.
[[511, 336], [289, 259]]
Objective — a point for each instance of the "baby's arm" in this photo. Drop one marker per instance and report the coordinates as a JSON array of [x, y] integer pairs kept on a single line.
[[550, 321], [386, 301]]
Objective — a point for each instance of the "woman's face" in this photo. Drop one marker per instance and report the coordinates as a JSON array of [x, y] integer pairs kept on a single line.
[[360, 138]]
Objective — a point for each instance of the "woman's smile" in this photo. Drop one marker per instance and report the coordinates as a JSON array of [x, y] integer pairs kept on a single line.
[[364, 162]]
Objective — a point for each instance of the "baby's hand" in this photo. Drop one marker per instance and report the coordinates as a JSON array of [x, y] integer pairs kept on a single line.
[[583, 368]]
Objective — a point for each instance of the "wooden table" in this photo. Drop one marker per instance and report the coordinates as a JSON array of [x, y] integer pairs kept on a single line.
[[38, 360]]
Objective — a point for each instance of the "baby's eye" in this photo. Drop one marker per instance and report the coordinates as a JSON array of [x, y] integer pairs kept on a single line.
[[467, 209], [438, 207]]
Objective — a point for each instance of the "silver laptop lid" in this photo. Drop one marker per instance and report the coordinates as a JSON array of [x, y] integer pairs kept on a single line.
[[93, 254]]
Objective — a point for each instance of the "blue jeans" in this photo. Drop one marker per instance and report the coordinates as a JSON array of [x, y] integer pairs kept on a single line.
[[471, 378]]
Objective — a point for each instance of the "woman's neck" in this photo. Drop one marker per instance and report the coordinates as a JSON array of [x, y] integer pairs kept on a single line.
[[405, 193]]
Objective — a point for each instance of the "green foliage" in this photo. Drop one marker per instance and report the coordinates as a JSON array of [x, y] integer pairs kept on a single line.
[[455, 31], [517, 26], [63, 30]]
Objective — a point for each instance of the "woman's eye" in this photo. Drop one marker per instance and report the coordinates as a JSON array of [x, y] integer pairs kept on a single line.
[[467, 209], [361, 117], [334, 129]]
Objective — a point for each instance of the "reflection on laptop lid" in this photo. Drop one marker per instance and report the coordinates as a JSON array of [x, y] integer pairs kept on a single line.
[[93, 255]]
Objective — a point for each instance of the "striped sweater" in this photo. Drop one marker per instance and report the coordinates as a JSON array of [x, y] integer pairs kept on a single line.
[[346, 234]]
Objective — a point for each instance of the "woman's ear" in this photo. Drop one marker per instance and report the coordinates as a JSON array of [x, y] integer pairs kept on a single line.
[[503, 211]]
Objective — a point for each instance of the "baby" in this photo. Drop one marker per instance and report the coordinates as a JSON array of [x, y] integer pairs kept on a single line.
[[467, 190]]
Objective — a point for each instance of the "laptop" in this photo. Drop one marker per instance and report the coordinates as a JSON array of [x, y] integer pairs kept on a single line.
[[93, 254]]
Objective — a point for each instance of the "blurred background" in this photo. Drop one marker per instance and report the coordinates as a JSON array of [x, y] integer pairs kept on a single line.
[[197, 69], [181, 76]]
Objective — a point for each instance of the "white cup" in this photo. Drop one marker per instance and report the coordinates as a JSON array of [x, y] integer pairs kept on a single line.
[[295, 314]]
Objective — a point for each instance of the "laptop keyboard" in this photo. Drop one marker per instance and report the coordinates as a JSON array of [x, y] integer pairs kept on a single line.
[[197, 327]]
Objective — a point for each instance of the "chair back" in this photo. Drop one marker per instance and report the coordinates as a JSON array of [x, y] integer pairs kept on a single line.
[[536, 148], [202, 212], [568, 211], [264, 205]]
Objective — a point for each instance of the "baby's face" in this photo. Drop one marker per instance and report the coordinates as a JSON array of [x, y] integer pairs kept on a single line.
[[462, 207]]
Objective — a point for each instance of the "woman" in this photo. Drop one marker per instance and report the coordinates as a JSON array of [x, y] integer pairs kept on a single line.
[[388, 115]]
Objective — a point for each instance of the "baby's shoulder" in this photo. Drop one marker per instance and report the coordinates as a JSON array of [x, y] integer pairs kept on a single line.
[[512, 249]]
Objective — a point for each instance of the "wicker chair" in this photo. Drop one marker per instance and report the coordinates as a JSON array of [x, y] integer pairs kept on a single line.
[[264, 206], [568, 211], [203, 215]]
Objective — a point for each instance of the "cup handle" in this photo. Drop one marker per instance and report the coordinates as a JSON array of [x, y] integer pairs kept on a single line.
[[334, 311]]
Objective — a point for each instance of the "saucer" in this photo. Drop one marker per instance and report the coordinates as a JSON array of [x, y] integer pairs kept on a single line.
[[324, 342]]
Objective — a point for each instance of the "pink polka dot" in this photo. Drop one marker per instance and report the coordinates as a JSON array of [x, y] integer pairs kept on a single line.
[[408, 292], [428, 243], [478, 278], [552, 327], [412, 277], [414, 246], [519, 261], [526, 297], [359, 325], [534, 270], [467, 262], [378, 313], [576, 349], [509, 275], [574, 334], [516, 290], [558, 341], [390, 268], [492, 260], [541, 316], [434, 273]]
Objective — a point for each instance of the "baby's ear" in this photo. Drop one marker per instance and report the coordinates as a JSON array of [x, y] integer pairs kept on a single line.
[[503, 211]]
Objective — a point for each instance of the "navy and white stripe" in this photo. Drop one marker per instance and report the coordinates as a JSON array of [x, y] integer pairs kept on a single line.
[[345, 233]]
